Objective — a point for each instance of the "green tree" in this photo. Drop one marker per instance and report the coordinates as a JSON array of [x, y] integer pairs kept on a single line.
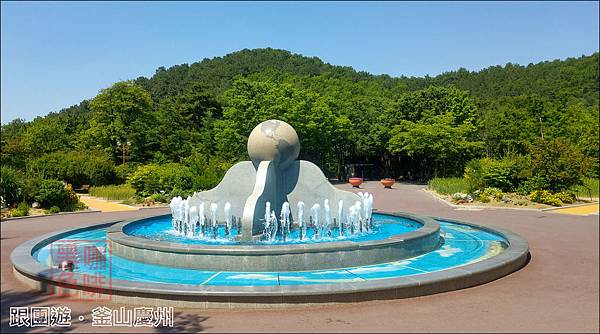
[[558, 164], [185, 122], [45, 135], [435, 127], [320, 128], [12, 151], [122, 114], [441, 147], [10, 187]]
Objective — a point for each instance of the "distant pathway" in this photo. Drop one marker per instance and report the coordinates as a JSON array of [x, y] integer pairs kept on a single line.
[[104, 205]]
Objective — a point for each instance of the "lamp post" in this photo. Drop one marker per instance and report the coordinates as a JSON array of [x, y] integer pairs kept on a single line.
[[124, 147]]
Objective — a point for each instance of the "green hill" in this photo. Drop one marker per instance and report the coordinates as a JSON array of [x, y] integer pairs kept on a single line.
[[573, 77], [423, 126]]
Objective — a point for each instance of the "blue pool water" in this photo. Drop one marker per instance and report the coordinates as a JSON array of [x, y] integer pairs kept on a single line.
[[161, 229], [462, 245]]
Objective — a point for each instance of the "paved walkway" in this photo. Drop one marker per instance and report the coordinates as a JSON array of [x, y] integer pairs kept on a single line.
[[104, 205], [556, 292]]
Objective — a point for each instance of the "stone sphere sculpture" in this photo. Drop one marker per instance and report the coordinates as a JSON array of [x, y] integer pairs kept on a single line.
[[275, 141]]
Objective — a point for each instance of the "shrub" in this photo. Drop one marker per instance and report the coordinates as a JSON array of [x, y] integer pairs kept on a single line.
[[545, 197], [208, 172], [503, 174], [492, 192], [123, 171], [196, 173], [77, 168], [182, 193], [158, 197], [145, 180], [10, 187], [159, 158], [117, 192], [55, 193], [54, 209], [533, 183], [79, 206], [566, 197], [520, 202], [30, 187], [560, 164], [175, 175], [21, 210], [152, 179], [484, 198], [448, 185], [208, 179]]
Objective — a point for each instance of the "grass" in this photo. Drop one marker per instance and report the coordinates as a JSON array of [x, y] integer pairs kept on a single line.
[[449, 185], [589, 188], [119, 192]]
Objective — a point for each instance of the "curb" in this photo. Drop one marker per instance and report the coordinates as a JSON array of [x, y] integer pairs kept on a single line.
[[568, 206], [77, 212], [52, 214]]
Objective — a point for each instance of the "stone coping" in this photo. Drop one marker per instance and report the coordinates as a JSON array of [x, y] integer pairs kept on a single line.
[[116, 234], [514, 257], [286, 257]]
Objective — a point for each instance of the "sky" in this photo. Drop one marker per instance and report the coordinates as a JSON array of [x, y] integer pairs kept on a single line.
[[55, 54]]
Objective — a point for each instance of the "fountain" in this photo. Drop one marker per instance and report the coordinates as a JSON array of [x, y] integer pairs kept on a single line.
[[273, 175], [275, 231], [278, 179]]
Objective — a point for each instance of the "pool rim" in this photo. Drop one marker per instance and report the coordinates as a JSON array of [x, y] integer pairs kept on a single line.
[[511, 259], [116, 233]]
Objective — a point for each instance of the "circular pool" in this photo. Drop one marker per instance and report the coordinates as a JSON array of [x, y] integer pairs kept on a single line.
[[464, 255]]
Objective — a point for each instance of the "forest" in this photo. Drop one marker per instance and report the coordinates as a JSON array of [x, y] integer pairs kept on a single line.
[[531, 127]]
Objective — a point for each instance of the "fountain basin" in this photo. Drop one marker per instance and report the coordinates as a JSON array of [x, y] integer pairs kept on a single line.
[[276, 257], [471, 255]]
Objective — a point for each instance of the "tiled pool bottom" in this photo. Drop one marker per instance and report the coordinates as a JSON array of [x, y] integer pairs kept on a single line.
[[463, 245]]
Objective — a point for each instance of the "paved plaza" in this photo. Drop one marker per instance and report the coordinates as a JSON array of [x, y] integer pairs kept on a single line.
[[556, 292]]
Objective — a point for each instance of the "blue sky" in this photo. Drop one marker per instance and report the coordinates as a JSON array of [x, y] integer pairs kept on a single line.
[[56, 54]]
